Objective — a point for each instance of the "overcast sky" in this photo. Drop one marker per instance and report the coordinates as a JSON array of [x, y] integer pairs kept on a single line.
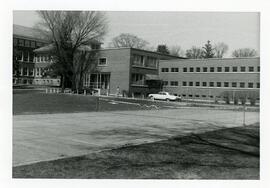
[[185, 29]]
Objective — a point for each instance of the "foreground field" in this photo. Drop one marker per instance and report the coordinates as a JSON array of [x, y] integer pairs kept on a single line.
[[38, 102], [231, 153], [42, 137]]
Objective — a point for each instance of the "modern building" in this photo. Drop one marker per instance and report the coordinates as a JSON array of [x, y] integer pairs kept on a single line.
[[210, 78], [127, 71], [25, 40], [136, 72]]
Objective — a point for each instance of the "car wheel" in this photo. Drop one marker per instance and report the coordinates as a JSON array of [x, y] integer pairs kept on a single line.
[[167, 100], [152, 98]]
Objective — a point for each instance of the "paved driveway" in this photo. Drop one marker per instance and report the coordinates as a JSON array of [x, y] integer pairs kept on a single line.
[[52, 136]]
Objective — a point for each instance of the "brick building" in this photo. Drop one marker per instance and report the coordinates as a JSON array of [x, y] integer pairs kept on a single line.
[[132, 71], [119, 70], [210, 78], [25, 40]]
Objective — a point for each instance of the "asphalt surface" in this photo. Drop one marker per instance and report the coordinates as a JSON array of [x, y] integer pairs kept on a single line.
[[43, 137]]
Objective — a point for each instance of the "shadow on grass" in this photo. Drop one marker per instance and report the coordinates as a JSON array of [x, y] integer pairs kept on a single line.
[[231, 153]]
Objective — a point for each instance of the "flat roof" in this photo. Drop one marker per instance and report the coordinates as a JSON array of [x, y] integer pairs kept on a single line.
[[148, 51], [207, 59]]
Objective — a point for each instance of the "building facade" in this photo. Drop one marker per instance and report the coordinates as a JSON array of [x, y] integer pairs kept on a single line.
[[130, 71], [25, 40], [210, 78]]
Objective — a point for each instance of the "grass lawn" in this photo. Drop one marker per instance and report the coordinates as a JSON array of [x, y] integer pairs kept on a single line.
[[231, 153], [38, 102]]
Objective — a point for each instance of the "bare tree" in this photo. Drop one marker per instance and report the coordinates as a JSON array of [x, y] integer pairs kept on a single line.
[[177, 51], [69, 32], [244, 52], [128, 40], [194, 53], [220, 49]]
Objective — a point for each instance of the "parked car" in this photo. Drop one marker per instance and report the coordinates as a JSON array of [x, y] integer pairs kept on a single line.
[[163, 96]]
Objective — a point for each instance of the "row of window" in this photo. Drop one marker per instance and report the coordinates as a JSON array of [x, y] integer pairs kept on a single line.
[[213, 69], [40, 58], [213, 84], [144, 61], [27, 43], [26, 56]]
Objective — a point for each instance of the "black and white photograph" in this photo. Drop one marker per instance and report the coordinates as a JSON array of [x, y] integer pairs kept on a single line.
[[104, 94]]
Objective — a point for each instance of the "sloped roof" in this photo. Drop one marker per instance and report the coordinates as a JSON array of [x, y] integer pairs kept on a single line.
[[27, 32], [50, 47]]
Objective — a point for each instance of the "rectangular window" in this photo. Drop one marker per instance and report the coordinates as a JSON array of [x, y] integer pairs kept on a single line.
[[138, 60], [15, 41], [33, 44], [243, 69], [25, 71], [27, 43], [234, 84], [250, 85], [226, 84], [212, 69], [250, 69], [102, 61], [138, 79], [234, 69], [258, 69], [204, 69], [25, 56], [258, 85], [203, 96], [197, 83], [197, 96], [190, 95], [191, 69], [218, 84], [165, 83], [198, 69], [204, 84], [165, 70], [242, 84], [219, 69], [190, 83], [174, 83], [151, 62], [211, 84], [227, 69], [184, 83], [21, 42], [31, 72], [174, 69], [185, 69]]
